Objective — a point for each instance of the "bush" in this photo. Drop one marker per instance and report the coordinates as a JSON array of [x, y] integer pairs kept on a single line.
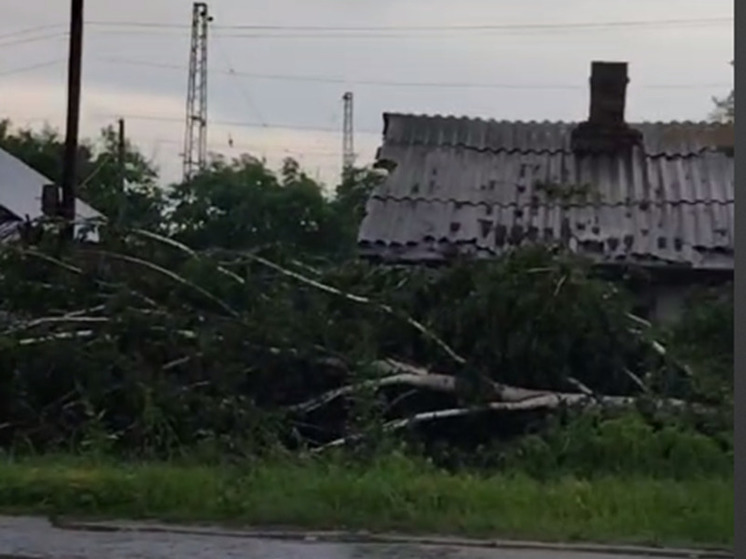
[[703, 338], [140, 345], [628, 445]]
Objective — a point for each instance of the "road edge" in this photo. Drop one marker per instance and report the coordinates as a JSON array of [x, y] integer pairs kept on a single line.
[[364, 537]]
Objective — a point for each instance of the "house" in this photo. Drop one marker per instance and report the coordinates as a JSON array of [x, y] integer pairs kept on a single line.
[[657, 196], [20, 196]]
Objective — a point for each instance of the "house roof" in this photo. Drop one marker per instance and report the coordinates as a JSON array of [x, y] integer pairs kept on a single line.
[[482, 186], [660, 138], [20, 193]]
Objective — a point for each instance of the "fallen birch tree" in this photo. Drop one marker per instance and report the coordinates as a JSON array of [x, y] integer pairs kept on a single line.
[[510, 399], [506, 397]]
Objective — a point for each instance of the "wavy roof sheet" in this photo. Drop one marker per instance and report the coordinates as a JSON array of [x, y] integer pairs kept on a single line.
[[480, 187]]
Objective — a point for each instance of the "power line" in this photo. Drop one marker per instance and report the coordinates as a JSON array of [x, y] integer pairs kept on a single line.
[[157, 118], [261, 147], [144, 24], [216, 145], [370, 36], [34, 39], [262, 32], [104, 160], [495, 27], [385, 83], [256, 36], [465, 27], [232, 72], [34, 29], [154, 33], [32, 67]]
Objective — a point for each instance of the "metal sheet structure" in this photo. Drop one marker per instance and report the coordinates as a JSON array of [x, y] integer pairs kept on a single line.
[[480, 187], [20, 194], [9, 230]]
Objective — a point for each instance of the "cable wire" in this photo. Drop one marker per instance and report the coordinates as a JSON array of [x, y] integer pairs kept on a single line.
[[262, 147], [496, 27], [237, 124], [389, 83], [244, 92], [34, 29], [465, 27], [104, 160], [31, 67], [34, 39]]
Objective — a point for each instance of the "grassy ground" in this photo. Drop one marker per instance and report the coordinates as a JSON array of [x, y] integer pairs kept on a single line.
[[395, 494]]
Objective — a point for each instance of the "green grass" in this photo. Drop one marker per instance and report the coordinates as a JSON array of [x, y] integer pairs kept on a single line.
[[394, 494]]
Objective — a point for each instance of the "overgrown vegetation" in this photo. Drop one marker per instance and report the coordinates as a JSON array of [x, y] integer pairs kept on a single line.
[[725, 107], [153, 347], [391, 493], [225, 320]]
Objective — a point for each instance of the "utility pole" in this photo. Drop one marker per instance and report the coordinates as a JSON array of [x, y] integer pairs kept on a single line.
[[195, 137], [121, 169], [69, 170], [348, 147]]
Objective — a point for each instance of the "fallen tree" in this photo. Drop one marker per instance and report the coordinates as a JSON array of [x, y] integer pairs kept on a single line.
[[401, 374], [155, 344]]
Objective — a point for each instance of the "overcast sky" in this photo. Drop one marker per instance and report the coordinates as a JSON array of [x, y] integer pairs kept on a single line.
[[533, 73]]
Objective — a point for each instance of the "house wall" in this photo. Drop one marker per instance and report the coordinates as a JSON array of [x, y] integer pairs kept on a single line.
[[661, 294], [667, 302], [668, 297]]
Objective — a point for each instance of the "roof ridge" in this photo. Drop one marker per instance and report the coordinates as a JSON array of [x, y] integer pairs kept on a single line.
[[648, 154], [490, 120], [549, 203]]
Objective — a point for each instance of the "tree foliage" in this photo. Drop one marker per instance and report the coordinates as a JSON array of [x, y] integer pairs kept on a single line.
[[240, 204], [205, 315], [353, 192], [142, 202], [725, 107], [159, 347], [234, 204]]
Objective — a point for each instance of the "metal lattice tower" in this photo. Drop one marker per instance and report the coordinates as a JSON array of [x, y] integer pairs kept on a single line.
[[195, 136], [348, 146]]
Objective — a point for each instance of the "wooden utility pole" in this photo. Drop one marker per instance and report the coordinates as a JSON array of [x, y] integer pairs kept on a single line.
[[69, 170], [348, 146], [121, 171]]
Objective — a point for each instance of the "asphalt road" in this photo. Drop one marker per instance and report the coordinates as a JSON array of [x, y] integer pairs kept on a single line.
[[34, 538]]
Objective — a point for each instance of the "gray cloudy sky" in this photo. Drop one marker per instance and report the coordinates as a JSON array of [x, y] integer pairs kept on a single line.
[[533, 73]]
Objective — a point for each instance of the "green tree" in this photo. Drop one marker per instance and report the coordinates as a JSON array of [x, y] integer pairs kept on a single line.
[[42, 150], [353, 192], [351, 197], [234, 204], [240, 204], [142, 202], [725, 107]]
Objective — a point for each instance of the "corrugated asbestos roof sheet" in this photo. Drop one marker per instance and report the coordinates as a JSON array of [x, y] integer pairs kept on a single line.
[[481, 187], [673, 139]]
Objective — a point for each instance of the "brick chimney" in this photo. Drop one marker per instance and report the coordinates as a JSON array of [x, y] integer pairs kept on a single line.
[[606, 131]]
